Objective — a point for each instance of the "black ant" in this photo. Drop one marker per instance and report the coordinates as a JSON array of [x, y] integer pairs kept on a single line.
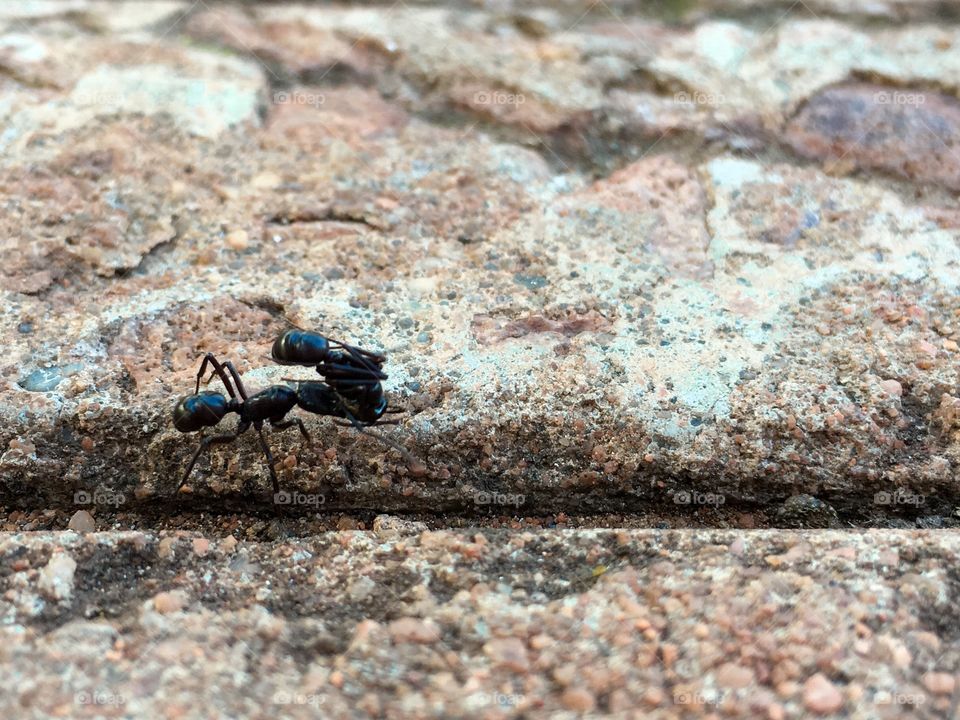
[[335, 360], [206, 409], [362, 403], [354, 374]]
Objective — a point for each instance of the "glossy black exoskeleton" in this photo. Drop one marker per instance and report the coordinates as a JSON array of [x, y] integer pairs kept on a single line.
[[353, 373], [333, 359], [362, 403], [353, 376], [363, 406], [205, 409]]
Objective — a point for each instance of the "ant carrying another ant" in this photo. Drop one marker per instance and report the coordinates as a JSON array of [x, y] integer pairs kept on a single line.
[[351, 390]]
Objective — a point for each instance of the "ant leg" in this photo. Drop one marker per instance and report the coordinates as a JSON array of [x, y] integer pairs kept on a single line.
[[376, 358], [218, 369], [382, 438], [370, 360], [266, 451], [193, 461], [339, 370], [236, 378], [208, 441], [290, 423], [355, 381]]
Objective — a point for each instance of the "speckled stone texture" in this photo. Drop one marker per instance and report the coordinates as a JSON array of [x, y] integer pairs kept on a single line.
[[613, 257], [401, 623], [672, 264]]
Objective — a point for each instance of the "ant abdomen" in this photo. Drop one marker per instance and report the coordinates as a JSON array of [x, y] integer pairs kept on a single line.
[[332, 358], [300, 347]]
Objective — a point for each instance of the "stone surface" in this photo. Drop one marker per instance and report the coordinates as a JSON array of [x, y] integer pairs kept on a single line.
[[642, 623], [716, 327], [634, 265], [914, 134]]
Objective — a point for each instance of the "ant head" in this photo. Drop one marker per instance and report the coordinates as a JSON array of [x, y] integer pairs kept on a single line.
[[319, 398], [195, 412]]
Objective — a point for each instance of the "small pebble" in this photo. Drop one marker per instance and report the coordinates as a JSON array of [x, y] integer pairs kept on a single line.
[[414, 630], [821, 696], [565, 674], [578, 700], [939, 683], [41, 380], [82, 522], [654, 697], [531, 282], [511, 653], [169, 602], [228, 544], [736, 677], [891, 387], [56, 578], [237, 240], [265, 180], [165, 547], [361, 589]]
